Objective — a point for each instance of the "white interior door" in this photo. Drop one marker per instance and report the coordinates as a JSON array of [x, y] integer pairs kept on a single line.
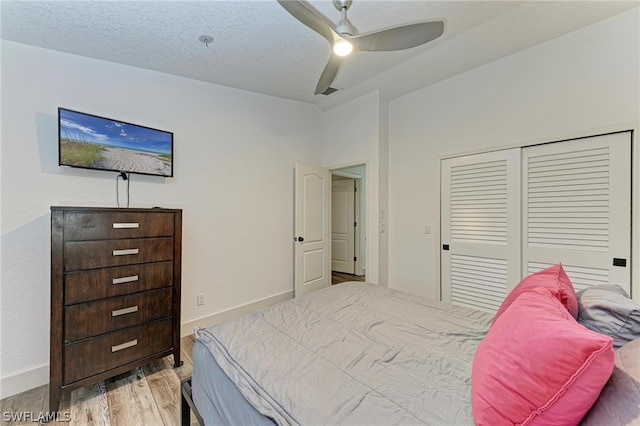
[[480, 228], [312, 237], [343, 225], [577, 209]]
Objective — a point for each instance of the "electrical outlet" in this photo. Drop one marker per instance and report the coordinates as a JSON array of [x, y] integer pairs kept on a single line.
[[200, 299]]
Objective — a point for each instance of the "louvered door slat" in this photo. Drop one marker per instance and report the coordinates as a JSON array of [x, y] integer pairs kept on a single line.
[[478, 282], [479, 209], [581, 276], [478, 199], [576, 208], [559, 172]]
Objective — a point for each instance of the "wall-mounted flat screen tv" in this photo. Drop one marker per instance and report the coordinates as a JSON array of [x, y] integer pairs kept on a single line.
[[92, 142]]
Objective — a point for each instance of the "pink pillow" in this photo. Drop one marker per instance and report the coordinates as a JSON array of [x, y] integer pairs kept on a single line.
[[553, 278], [538, 366]]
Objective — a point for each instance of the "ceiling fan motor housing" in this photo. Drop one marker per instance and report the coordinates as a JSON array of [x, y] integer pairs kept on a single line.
[[342, 4], [344, 26]]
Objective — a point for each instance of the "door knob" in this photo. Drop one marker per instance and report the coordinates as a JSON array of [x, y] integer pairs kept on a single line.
[[299, 239]]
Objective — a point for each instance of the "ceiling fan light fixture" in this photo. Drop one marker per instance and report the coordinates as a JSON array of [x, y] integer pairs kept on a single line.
[[342, 48]]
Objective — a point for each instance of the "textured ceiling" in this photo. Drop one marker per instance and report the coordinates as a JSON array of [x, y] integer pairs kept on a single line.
[[259, 47]]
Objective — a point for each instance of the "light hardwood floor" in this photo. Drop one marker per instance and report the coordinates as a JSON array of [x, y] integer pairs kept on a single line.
[[148, 395]]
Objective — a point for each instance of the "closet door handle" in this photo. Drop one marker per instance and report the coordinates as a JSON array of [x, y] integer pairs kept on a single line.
[[619, 262]]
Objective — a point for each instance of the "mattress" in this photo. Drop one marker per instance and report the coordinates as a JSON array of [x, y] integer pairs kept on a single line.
[[354, 353], [218, 400]]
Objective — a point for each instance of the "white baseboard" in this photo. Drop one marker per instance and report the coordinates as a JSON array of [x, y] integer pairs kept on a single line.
[[219, 317], [21, 382]]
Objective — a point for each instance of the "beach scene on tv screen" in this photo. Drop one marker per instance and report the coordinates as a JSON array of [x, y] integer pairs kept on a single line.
[[102, 143]]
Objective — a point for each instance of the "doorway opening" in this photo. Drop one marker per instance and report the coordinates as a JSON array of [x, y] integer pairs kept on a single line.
[[348, 224]]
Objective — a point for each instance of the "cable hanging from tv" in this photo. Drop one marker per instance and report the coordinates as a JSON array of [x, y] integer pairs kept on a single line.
[[125, 177]]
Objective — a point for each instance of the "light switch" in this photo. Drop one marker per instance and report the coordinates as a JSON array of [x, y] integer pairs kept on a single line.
[[427, 229]]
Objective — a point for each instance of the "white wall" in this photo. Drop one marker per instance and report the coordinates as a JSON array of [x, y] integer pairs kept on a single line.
[[352, 135], [234, 157], [575, 85]]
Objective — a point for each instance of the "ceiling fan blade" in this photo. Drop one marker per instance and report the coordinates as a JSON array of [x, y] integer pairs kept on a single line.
[[310, 16], [398, 38], [329, 74]]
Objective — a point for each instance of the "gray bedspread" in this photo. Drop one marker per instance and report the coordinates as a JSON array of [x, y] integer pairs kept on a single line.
[[355, 354]]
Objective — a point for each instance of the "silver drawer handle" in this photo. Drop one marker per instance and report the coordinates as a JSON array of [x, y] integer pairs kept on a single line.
[[126, 225], [124, 311], [124, 345], [123, 280], [125, 252]]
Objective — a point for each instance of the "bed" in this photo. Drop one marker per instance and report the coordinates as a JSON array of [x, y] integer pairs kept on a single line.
[[350, 354]]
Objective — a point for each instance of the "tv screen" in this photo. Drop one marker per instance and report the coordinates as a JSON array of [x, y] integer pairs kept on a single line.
[[93, 142]]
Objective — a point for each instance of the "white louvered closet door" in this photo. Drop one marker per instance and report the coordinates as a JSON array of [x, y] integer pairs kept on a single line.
[[480, 228], [576, 209]]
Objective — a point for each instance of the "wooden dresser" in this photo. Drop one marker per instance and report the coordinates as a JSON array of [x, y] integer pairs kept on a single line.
[[115, 292]]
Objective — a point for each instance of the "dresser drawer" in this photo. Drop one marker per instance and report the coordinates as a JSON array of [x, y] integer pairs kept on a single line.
[[112, 225], [88, 357], [106, 253], [90, 319], [84, 286]]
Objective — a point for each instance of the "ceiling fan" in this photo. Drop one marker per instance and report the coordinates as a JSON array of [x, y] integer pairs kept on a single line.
[[344, 37]]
